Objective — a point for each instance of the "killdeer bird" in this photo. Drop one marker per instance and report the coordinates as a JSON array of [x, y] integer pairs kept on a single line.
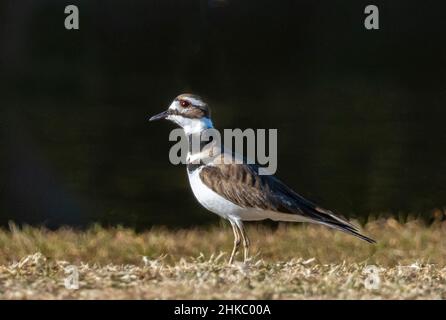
[[235, 191]]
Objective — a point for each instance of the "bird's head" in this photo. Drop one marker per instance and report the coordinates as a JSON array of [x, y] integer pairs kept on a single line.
[[189, 111]]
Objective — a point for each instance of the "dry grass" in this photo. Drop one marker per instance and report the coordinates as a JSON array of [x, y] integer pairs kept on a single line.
[[292, 262]]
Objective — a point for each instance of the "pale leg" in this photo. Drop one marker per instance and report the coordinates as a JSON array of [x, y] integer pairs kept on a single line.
[[236, 241], [245, 240]]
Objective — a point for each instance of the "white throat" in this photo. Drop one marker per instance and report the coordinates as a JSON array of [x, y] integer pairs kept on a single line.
[[192, 126]]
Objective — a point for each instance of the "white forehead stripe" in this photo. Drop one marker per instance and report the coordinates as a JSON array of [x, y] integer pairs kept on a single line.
[[195, 102], [175, 105]]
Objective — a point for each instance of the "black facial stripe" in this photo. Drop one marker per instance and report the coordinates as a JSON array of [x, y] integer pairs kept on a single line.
[[171, 112], [188, 113]]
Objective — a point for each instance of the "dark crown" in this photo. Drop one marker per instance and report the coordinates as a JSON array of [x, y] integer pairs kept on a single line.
[[194, 106]]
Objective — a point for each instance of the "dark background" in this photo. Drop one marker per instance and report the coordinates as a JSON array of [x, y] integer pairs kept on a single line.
[[360, 114]]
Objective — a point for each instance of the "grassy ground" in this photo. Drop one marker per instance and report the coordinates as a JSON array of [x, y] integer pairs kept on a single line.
[[291, 262]]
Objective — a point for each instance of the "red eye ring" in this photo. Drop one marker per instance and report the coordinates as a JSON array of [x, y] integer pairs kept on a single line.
[[184, 103]]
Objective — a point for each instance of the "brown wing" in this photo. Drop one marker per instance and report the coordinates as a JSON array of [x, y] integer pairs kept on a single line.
[[242, 185]]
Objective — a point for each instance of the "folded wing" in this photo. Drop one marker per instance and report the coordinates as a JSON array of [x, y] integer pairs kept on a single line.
[[242, 185]]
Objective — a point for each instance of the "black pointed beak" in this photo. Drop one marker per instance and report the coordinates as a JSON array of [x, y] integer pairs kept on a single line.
[[159, 116]]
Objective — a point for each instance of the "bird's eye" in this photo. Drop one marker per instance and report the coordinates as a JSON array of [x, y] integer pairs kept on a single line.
[[184, 103]]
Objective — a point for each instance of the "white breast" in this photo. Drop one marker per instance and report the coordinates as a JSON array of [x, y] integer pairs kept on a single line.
[[211, 200]]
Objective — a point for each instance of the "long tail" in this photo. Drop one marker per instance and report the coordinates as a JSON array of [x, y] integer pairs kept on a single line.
[[347, 228], [327, 218], [291, 202]]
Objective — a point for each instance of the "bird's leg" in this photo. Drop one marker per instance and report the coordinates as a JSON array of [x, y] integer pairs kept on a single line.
[[236, 241], [245, 240]]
